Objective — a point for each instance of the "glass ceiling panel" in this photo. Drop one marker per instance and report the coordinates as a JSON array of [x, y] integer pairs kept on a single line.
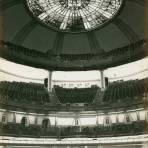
[[74, 15]]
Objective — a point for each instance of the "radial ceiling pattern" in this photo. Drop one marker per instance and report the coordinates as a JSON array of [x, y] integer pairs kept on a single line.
[[74, 15], [45, 34]]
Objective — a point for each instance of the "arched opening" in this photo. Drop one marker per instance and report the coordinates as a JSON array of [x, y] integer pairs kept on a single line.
[[24, 121], [4, 119], [107, 121], [77, 125], [45, 123], [127, 119]]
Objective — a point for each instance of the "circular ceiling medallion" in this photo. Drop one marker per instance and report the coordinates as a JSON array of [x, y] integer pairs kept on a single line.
[[74, 15]]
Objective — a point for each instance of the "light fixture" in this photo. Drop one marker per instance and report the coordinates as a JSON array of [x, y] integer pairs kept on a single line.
[[74, 15]]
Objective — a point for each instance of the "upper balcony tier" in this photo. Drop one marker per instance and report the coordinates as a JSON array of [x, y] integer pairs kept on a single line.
[[43, 36], [35, 96]]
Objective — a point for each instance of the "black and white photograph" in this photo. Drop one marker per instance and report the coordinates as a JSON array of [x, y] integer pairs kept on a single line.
[[73, 73]]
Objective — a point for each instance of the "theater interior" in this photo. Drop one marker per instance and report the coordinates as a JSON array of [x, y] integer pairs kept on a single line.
[[73, 74]]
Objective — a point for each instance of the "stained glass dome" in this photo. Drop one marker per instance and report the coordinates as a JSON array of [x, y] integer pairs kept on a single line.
[[74, 15]]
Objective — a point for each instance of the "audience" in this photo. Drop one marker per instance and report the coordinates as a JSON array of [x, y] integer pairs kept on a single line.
[[71, 57], [23, 92], [76, 95], [122, 90], [120, 129]]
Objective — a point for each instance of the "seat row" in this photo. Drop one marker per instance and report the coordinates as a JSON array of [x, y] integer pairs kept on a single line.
[[76, 95], [133, 128], [33, 53], [23, 92], [122, 90]]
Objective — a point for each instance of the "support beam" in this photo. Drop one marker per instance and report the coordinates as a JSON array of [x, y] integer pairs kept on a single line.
[[102, 79], [50, 81], [22, 34], [143, 3], [94, 43], [129, 33], [5, 4], [58, 43]]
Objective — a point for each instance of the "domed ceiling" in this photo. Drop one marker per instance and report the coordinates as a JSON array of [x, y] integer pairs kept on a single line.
[[73, 34], [74, 15]]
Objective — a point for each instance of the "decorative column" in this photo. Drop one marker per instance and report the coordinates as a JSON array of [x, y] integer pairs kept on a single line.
[[102, 79], [99, 146], [145, 145], [55, 119], [138, 117], [97, 122], [77, 122], [50, 81], [14, 118]]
